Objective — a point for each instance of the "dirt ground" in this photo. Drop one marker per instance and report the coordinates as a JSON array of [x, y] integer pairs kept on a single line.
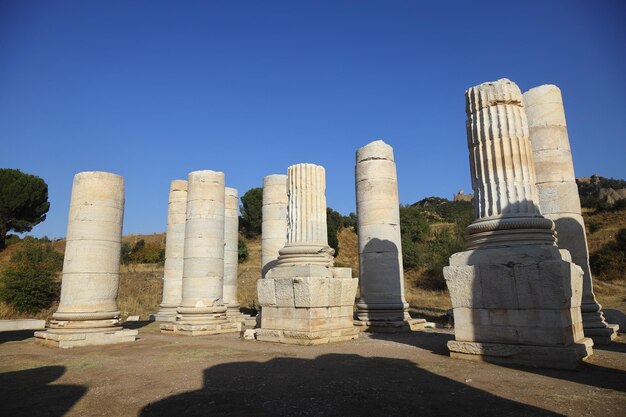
[[376, 375]]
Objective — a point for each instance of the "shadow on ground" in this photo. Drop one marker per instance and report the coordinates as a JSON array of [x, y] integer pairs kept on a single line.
[[333, 385], [16, 335], [137, 324], [587, 374], [28, 393]]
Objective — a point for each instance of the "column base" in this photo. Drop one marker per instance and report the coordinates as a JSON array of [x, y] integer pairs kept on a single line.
[[163, 316], [397, 326], [536, 356], [76, 338], [214, 326], [595, 327], [306, 338], [602, 335]]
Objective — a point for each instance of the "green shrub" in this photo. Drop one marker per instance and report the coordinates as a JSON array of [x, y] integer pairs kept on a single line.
[[609, 263], [242, 251], [414, 229], [29, 282]]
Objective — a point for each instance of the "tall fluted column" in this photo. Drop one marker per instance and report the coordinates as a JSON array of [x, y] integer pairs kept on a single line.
[[231, 249], [502, 168], [307, 238], [174, 251], [274, 225], [380, 248], [515, 296], [202, 310], [558, 194], [88, 313]]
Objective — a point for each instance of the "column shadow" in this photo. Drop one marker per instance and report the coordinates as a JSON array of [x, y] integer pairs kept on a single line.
[[16, 335], [333, 385], [31, 393]]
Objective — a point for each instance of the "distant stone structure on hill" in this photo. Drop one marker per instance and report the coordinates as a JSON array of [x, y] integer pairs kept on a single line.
[[461, 196], [606, 190]]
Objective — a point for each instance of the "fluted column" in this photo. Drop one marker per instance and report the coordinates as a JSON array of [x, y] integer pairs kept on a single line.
[[558, 194], [380, 248], [203, 266], [307, 238], [274, 225], [502, 168], [174, 251], [231, 247]]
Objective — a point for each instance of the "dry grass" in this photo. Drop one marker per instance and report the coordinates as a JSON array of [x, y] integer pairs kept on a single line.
[[141, 288], [248, 274], [608, 223]]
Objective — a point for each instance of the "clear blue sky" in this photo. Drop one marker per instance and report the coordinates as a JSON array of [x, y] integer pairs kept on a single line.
[[152, 90]]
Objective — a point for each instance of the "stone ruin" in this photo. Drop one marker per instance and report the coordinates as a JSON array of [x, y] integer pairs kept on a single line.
[[304, 299], [88, 313], [558, 195], [518, 298]]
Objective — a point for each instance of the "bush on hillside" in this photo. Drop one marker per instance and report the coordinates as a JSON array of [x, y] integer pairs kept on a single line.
[[142, 253], [414, 229], [29, 283], [242, 251], [609, 263]]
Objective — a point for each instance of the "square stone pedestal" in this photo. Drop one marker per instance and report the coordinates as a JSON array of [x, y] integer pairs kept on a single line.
[[307, 305], [518, 305], [65, 339], [163, 317]]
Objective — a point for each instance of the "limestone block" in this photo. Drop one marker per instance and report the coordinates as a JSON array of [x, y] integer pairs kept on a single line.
[[376, 170], [553, 165], [348, 291], [545, 356], [382, 189], [544, 106], [311, 291], [549, 137], [284, 292], [380, 238], [275, 212], [91, 338], [463, 284], [549, 284], [497, 286], [21, 324], [377, 150], [300, 271], [559, 197]]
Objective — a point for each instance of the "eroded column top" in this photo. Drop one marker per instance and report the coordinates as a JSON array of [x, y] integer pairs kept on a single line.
[[377, 149]]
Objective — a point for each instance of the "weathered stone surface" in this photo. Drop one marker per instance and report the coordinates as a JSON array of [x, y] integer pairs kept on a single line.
[[380, 248], [537, 356], [274, 225], [558, 193], [174, 251], [87, 311], [231, 249], [202, 310], [516, 296], [304, 300], [21, 324]]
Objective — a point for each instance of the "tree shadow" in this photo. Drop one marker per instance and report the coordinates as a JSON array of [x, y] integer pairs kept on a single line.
[[16, 335], [30, 393], [333, 385]]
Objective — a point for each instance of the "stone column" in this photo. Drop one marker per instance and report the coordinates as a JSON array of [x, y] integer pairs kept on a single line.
[[274, 225], [174, 251], [202, 310], [516, 297], [381, 305], [502, 169], [304, 299], [231, 250], [558, 195], [88, 313], [307, 237]]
